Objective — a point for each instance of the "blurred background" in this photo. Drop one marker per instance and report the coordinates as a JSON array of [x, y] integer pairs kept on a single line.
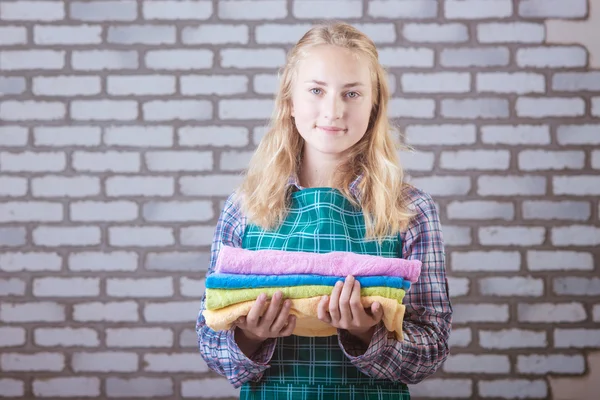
[[125, 124]]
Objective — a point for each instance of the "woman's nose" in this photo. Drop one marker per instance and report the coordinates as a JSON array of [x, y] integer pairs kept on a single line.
[[333, 108]]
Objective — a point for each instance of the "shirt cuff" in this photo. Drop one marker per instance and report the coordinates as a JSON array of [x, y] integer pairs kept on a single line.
[[356, 350], [259, 360]]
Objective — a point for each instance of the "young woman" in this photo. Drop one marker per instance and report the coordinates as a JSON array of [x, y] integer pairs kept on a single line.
[[325, 177]]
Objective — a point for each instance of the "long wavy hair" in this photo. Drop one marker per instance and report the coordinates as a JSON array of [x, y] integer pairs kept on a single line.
[[263, 194]]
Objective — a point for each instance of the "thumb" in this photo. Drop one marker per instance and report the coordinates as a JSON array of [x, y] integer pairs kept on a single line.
[[377, 311]]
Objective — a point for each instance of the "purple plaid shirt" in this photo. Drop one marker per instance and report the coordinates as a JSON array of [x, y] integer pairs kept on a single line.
[[427, 321]]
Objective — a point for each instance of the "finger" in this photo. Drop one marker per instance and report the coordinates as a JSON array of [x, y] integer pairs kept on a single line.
[[377, 311], [272, 311], [356, 307], [334, 310], [345, 300], [322, 311], [240, 322], [282, 317], [289, 329], [253, 316]]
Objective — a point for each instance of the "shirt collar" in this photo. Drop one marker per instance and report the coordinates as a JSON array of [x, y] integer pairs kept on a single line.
[[294, 182]]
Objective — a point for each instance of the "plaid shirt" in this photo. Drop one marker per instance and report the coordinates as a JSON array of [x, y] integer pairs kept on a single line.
[[426, 323]]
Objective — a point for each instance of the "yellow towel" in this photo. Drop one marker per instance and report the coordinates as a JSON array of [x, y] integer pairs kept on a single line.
[[305, 310], [219, 298]]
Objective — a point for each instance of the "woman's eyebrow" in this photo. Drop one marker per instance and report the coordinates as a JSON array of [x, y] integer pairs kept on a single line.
[[351, 84]]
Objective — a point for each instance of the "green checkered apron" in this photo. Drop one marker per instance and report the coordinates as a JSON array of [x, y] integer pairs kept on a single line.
[[305, 368]]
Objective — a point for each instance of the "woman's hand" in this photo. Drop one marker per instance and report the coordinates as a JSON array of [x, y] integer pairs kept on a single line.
[[344, 310]]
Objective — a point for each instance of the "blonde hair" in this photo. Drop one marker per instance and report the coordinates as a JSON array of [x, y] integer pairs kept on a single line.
[[263, 196]]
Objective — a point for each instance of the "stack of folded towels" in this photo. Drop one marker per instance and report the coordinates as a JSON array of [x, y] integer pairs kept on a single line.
[[241, 275]]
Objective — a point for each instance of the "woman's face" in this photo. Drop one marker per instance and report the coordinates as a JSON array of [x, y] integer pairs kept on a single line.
[[331, 99]]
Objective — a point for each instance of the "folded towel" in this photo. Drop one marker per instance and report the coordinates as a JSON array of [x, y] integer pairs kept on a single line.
[[305, 310], [219, 298], [236, 260], [239, 281]]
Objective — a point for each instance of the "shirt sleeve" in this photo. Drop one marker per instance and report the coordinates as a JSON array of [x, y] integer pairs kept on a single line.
[[428, 317], [218, 348]]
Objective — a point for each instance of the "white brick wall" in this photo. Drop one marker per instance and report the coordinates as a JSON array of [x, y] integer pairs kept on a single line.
[[125, 124]]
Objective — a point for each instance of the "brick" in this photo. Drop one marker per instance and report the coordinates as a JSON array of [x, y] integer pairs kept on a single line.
[[280, 33], [141, 34], [555, 363], [32, 11], [179, 59], [460, 337], [214, 84], [12, 336], [104, 362], [12, 237], [379, 32], [140, 236], [595, 159], [135, 288], [67, 387], [192, 287], [66, 136], [516, 82], [577, 286], [67, 35], [477, 9], [532, 160], [327, 9], [193, 236], [140, 85], [511, 185], [66, 287], [251, 10], [177, 10], [388, 9], [436, 33], [12, 186], [245, 109], [177, 261], [217, 136], [32, 362], [12, 85], [32, 59], [457, 235], [139, 337], [96, 261], [32, 312], [511, 32], [235, 160], [113, 161], [98, 60], [118, 311], [13, 136], [484, 210], [15, 262], [252, 58], [551, 313], [66, 337], [515, 286], [596, 313], [104, 110], [178, 211], [417, 161], [514, 388], [411, 108], [118, 186], [215, 34], [12, 287], [139, 136], [29, 110], [168, 110], [576, 338], [551, 57], [515, 135], [465, 313], [444, 185], [576, 235], [486, 261], [458, 286], [11, 35], [259, 132], [104, 211], [576, 81], [556, 210], [63, 186], [213, 185], [475, 57], [511, 236], [538, 260], [122, 10], [512, 339], [576, 185], [175, 311], [596, 106], [179, 161], [481, 364], [552, 9], [207, 388], [30, 211], [443, 388], [475, 108], [550, 107], [406, 57], [173, 362], [139, 387], [475, 160], [188, 338], [55, 236], [265, 84], [441, 82]]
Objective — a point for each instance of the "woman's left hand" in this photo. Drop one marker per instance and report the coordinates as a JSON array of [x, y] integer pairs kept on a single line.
[[344, 310]]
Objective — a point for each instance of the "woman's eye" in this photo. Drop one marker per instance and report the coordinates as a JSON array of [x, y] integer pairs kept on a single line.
[[352, 95], [315, 91]]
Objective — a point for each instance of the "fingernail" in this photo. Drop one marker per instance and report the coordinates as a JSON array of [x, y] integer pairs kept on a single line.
[[262, 296]]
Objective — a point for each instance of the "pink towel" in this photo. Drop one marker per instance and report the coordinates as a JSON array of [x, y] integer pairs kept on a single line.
[[235, 260]]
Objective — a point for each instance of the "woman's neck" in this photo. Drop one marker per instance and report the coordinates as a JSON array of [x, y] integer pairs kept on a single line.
[[318, 171]]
